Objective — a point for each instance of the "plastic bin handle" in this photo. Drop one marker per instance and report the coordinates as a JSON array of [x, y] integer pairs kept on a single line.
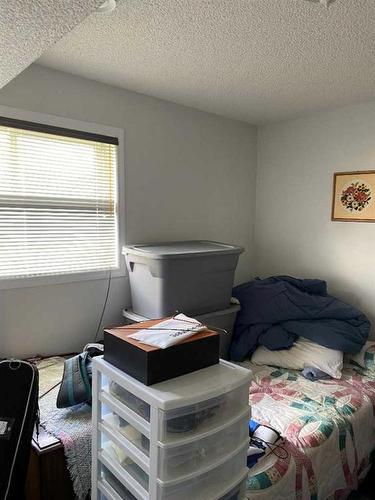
[[131, 266]]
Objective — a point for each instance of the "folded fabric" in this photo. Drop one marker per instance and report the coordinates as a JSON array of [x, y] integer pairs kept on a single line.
[[312, 373], [277, 310]]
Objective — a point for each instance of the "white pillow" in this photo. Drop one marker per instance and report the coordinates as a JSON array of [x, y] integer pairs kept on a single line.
[[303, 354]]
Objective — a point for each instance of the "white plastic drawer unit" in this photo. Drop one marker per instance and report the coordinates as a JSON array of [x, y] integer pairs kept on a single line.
[[183, 439], [193, 420], [209, 485], [180, 460]]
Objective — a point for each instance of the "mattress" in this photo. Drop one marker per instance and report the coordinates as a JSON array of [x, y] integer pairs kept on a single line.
[[328, 428]]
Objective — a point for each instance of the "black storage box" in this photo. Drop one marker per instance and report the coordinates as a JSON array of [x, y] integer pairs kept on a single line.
[[151, 365]]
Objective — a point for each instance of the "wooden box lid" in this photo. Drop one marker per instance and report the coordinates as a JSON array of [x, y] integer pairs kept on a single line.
[[123, 332]]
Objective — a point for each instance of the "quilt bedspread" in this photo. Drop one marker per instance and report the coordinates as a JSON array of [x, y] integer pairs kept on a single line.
[[329, 432]]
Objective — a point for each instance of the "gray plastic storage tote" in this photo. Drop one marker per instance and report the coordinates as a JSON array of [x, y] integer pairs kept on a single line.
[[193, 277]]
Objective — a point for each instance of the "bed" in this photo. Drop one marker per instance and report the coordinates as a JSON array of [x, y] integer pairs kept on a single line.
[[329, 431]]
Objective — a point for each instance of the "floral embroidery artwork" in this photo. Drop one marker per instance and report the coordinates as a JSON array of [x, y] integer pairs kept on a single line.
[[353, 194], [356, 196]]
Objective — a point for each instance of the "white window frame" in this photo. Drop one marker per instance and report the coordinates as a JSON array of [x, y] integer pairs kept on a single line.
[[57, 121]]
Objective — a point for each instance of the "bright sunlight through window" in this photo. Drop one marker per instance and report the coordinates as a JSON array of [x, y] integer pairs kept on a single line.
[[58, 204]]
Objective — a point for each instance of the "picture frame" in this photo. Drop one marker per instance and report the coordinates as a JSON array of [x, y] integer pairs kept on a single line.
[[353, 196]]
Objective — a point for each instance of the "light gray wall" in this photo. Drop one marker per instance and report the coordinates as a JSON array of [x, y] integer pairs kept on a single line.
[[189, 175], [294, 232]]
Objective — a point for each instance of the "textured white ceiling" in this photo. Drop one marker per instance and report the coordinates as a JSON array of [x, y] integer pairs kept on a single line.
[[29, 27], [255, 60]]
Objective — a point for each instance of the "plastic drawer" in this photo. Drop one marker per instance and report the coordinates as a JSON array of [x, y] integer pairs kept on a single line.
[[199, 418], [130, 400], [208, 485], [118, 456], [236, 493], [119, 488], [180, 460], [128, 431]]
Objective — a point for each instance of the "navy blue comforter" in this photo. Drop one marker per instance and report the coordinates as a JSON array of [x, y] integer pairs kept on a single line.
[[276, 311]]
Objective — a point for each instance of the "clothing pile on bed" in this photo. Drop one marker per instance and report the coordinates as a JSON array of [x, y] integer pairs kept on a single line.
[[294, 323]]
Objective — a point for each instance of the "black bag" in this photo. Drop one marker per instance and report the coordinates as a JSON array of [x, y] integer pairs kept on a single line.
[[19, 385]]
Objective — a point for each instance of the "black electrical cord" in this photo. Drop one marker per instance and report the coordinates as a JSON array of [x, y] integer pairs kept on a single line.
[[104, 305], [49, 390], [258, 442]]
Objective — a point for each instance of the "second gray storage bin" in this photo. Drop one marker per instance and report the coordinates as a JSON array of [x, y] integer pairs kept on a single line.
[[223, 319], [191, 276]]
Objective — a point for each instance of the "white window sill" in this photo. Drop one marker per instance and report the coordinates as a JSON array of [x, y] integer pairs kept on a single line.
[[35, 281]]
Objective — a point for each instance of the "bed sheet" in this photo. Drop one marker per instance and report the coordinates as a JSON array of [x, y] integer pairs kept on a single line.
[[328, 428]]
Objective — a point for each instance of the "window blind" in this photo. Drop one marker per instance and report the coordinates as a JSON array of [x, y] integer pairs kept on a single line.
[[58, 203]]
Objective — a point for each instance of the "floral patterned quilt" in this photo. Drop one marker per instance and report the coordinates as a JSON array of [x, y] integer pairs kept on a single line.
[[329, 432]]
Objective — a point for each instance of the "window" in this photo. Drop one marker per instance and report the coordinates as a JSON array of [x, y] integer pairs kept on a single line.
[[58, 201]]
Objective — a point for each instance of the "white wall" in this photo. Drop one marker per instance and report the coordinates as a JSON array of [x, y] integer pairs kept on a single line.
[[294, 232], [189, 175]]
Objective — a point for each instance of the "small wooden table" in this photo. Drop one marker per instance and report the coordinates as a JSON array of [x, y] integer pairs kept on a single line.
[[48, 477]]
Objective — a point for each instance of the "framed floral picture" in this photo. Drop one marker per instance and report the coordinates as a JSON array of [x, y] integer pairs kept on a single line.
[[353, 196]]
